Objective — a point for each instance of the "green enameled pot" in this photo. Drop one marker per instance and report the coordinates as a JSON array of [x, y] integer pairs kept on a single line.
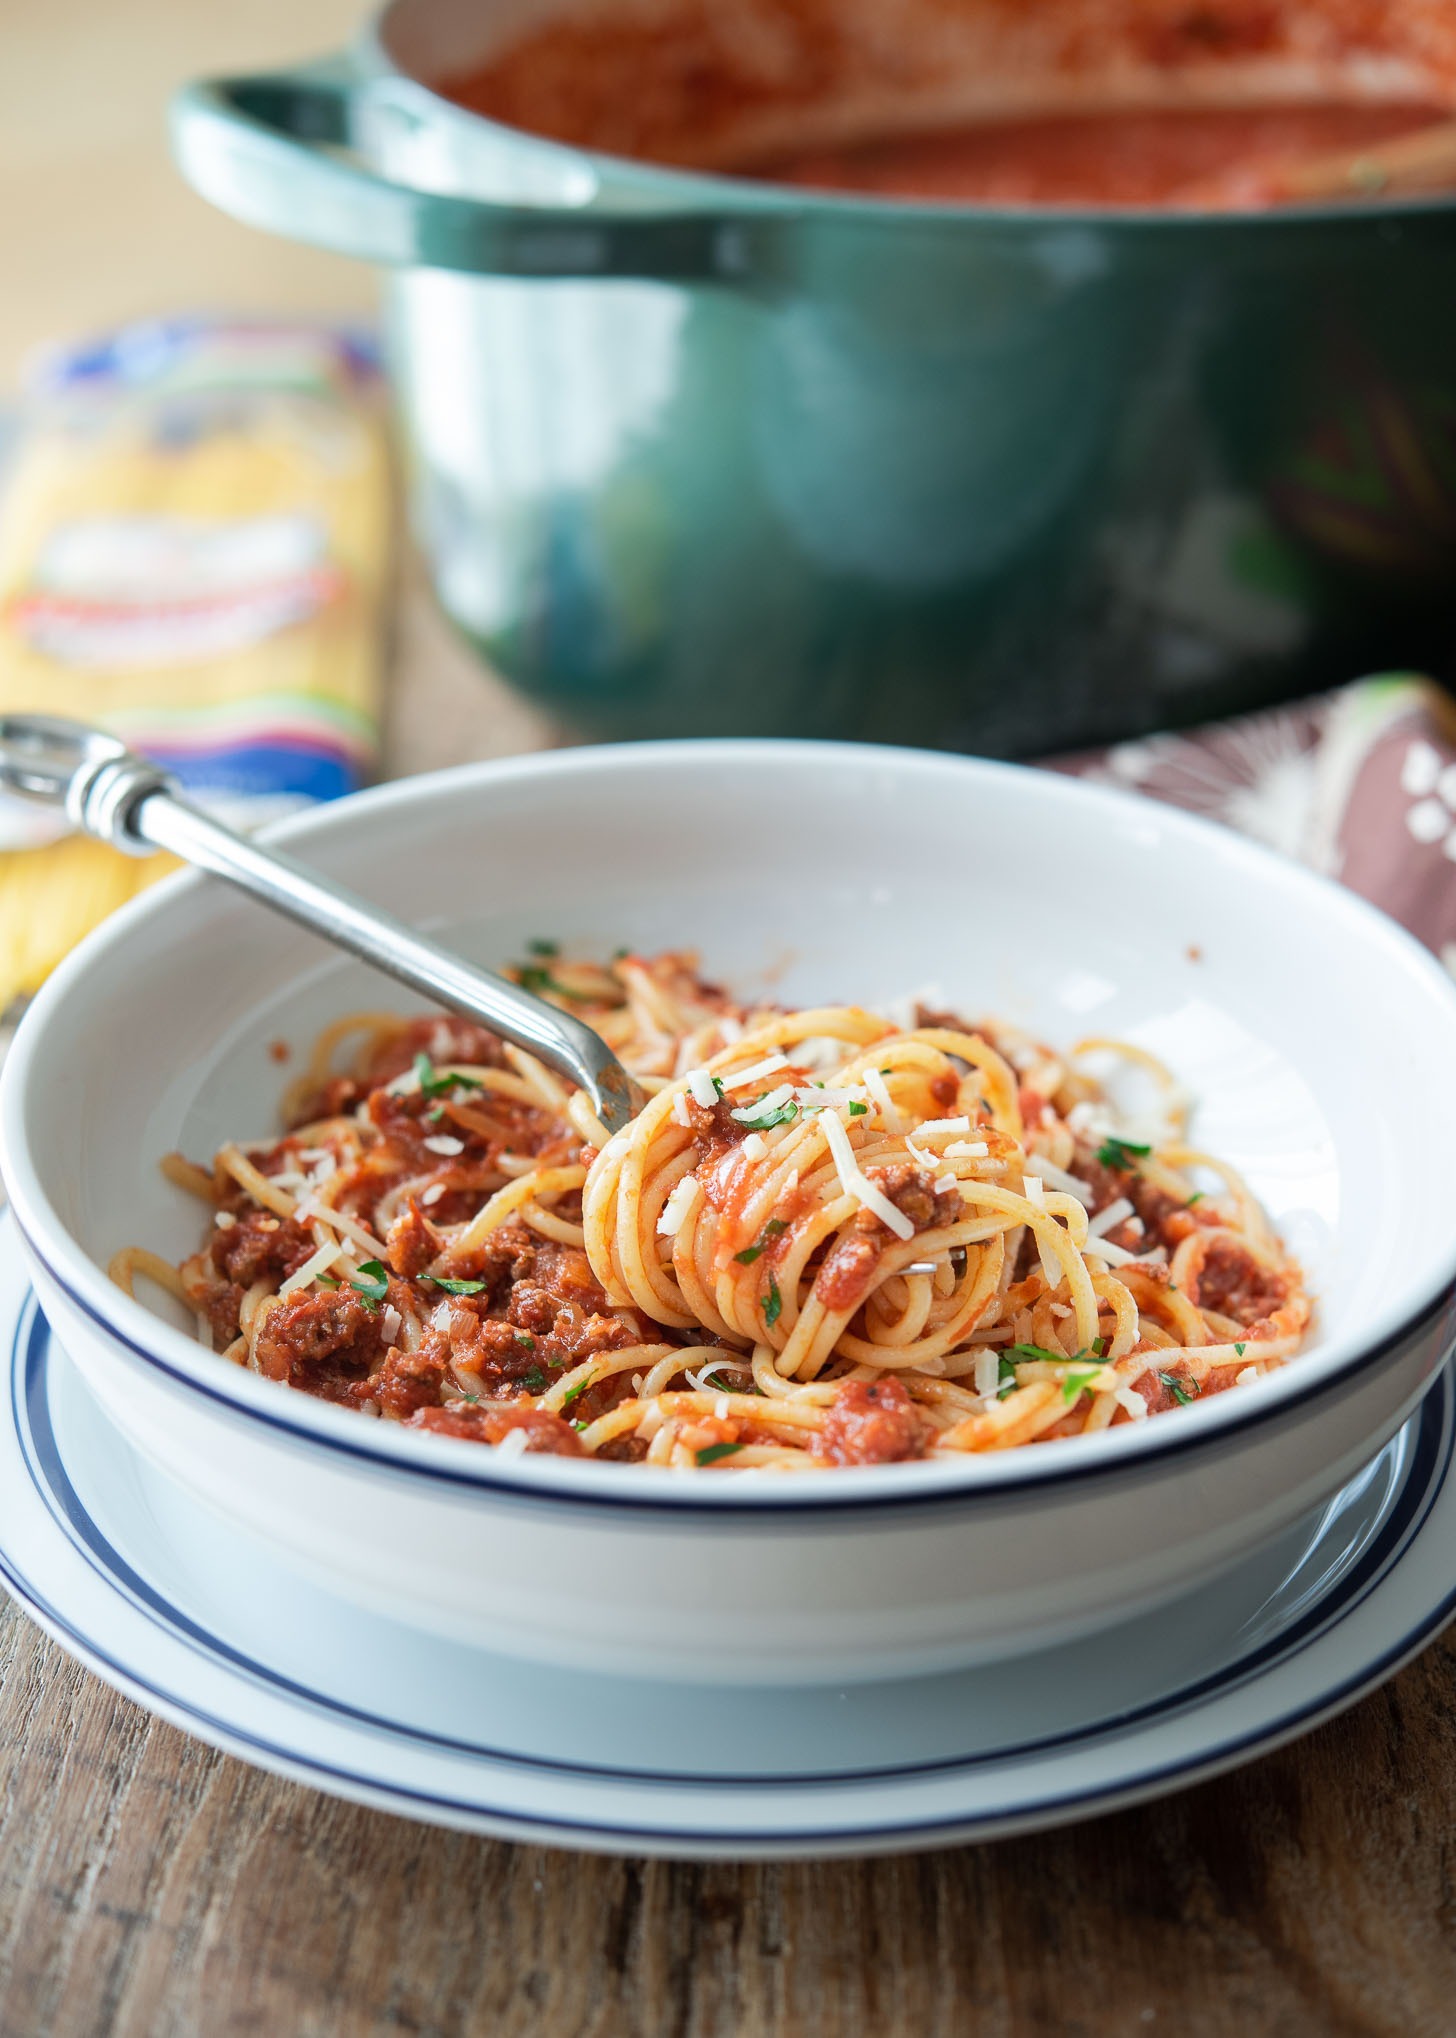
[[690, 454]]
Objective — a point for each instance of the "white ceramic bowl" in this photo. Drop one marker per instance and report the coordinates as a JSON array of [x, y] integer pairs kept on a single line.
[[1319, 1038]]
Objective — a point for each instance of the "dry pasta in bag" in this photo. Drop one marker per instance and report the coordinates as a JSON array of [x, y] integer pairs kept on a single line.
[[194, 551]]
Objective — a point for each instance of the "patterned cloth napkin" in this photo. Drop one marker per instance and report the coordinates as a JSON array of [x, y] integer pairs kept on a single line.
[[1359, 784]]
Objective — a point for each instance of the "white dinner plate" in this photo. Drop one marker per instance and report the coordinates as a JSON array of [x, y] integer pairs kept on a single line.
[[174, 1608]]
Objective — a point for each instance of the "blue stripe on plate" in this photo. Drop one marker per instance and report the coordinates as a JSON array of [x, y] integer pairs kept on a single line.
[[1425, 1478]]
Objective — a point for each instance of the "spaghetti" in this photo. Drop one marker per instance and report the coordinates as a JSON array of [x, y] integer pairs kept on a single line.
[[827, 1239]]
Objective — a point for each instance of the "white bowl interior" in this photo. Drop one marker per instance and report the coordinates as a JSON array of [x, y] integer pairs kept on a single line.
[[1319, 1041]]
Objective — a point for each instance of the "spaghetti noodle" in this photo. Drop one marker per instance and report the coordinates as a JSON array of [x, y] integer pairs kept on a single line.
[[827, 1239]]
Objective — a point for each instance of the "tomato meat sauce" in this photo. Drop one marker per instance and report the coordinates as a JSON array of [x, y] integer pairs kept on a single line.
[[1098, 103]]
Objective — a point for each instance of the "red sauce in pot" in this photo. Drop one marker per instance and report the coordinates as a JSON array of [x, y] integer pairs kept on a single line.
[[757, 88], [1146, 156]]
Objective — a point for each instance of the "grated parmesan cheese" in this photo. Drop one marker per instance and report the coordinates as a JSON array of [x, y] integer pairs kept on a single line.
[[987, 1375], [390, 1324], [224, 1220], [1247, 1377], [1132, 1402], [967, 1150], [677, 1206], [949, 1180], [680, 1109], [512, 1444], [702, 1088], [445, 1143], [433, 1194], [743, 1077], [879, 1090], [317, 1263], [755, 1146], [1109, 1219], [1104, 1249], [771, 1100], [854, 1183], [940, 1125], [1070, 1185]]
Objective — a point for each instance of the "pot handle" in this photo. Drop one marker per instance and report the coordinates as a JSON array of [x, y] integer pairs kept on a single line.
[[264, 149]]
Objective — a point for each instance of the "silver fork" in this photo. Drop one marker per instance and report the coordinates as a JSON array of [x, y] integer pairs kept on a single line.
[[108, 791]]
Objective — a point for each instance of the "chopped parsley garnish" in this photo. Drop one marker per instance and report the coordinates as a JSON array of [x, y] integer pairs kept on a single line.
[[1096, 1351], [1240, 1350], [375, 1287], [773, 1307], [711, 1453], [577, 1391], [547, 948], [524, 1337], [620, 954], [327, 1280], [766, 1120], [1122, 1154], [1182, 1391], [455, 1287], [436, 1084], [435, 1113], [1196, 1197], [534, 976], [1074, 1382], [751, 1252], [534, 1381], [856, 1109]]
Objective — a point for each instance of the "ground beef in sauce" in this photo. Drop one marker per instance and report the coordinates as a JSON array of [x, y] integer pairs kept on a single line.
[[540, 1310], [409, 1381], [1164, 1220], [260, 1246], [715, 1130], [444, 1038], [1232, 1282], [324, 1344], [485, 1423], [413, 1242], [871, 1422], [913, 1192]]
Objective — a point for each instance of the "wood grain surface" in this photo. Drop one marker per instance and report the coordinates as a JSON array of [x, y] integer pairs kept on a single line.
[[151, 1888]]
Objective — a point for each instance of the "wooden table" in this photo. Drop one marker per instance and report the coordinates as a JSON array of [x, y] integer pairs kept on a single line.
[[150, 1887], [153, 1889]]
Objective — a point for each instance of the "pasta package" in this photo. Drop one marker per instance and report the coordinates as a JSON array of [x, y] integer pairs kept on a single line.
[[194, 553]]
